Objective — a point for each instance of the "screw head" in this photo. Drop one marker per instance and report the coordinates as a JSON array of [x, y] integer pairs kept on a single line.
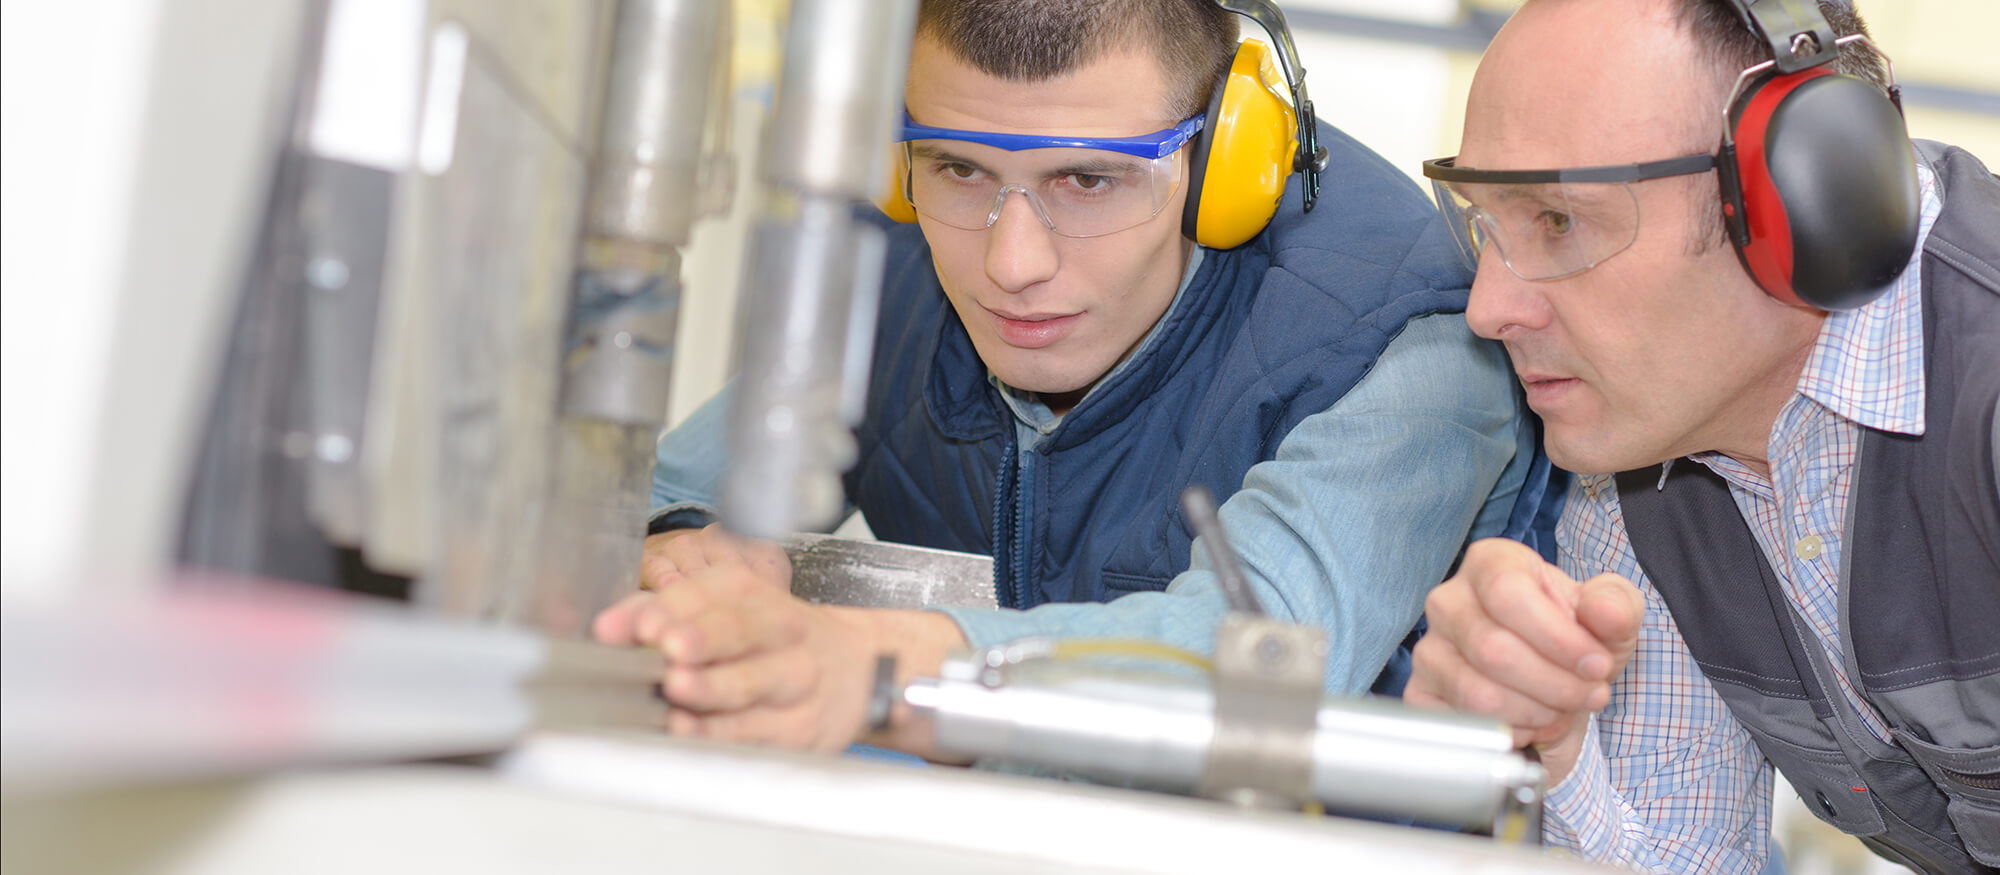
[[1271, 650]]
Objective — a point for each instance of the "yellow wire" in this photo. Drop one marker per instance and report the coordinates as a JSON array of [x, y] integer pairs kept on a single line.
[[1095, 647]]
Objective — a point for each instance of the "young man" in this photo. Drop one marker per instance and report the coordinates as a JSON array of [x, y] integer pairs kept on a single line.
[[1813, 579], [1058, 360]]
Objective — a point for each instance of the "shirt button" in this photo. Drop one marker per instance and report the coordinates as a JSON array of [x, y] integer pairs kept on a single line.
[[1809, 547]]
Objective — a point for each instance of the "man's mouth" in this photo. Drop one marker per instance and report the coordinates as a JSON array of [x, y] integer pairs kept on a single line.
[[1545, 390], [1032, 330]]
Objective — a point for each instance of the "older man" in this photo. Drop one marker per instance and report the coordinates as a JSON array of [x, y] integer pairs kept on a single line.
[[1748, 275]]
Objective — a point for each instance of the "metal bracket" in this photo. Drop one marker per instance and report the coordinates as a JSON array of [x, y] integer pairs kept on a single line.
[[1797, 35], [1267, 695]]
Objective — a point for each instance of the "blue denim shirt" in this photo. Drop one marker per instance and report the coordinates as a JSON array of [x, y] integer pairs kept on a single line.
[[1364, 508]]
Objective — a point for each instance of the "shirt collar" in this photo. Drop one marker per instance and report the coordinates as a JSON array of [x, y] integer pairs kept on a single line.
[[1868, 364], [1029, 408]]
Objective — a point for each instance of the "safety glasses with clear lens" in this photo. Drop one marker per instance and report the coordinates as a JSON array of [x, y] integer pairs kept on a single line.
[[1548, 225], [1076, 186]]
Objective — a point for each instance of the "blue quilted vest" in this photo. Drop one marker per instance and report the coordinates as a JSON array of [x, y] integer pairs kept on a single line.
[[1267, 334]]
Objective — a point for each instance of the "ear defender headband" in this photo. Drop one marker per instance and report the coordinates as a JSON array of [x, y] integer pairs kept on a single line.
[[1258, 130], [1819, 181]]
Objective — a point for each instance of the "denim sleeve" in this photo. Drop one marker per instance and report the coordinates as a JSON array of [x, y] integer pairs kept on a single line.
[[1363, 510], [687, 467]]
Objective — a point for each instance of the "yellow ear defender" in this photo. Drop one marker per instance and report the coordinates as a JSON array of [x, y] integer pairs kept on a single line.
[[891, 200], [1239, 163]]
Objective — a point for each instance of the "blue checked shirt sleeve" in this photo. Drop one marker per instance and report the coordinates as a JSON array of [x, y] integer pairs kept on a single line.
[[1668, 780], [1353, 522]]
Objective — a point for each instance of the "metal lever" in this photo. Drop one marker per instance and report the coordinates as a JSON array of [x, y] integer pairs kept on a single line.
[[1199, 505]]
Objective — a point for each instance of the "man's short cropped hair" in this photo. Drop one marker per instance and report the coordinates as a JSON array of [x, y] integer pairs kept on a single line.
[[1036, 40], [1728, 47], [1732, 48]]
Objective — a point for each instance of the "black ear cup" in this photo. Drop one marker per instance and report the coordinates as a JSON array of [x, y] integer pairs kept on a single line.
[[1819, 188], [1197, 167]]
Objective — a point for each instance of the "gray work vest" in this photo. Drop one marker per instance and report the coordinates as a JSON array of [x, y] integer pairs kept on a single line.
[[1919, 584]]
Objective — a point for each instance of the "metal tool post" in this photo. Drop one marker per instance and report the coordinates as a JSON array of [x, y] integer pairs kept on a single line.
[[1254, 732]]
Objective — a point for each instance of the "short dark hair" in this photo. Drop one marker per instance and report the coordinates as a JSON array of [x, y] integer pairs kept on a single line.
[[1731, 47], [1727, 47], [1034, 40]]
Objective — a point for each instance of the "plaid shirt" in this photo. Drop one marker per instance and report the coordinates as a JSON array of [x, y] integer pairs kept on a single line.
[[1668, 780]]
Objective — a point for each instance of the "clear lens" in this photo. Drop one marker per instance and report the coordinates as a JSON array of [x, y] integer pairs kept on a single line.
[[1074, 192], [1542, 231]]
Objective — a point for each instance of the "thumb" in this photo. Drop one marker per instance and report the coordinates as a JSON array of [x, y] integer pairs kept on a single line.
[[1611, 608]]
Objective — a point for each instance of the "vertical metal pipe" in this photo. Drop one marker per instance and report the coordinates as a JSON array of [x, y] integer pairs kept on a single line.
[[652, 177], [646, 190], [838, 98]]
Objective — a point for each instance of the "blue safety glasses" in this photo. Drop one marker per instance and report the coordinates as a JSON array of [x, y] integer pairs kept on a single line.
[[1075, 186], [1158, 144]]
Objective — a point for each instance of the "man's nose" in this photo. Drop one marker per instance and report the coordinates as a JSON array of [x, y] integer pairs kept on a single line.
[[1503, 304], [1020, 250]]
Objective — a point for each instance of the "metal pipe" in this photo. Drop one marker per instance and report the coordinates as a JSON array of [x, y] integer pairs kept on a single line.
[[652, 176], [1155, 730], [647, 188], [814, 265]]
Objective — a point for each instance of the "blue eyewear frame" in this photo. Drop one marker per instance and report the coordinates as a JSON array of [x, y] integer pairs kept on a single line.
[[1158, 144]]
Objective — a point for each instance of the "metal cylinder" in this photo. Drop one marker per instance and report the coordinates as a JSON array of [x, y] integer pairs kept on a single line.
[[1154, 730], [665, 58], [814, 267], [618, 366], [840, 96], [788, 438]]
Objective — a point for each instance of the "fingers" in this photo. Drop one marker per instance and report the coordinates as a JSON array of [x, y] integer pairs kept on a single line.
[[797, 728], [778, 679], [1522, 638], [1442, 680], [658, 567], [617, 625], [1612, 609], [808, 690], [1506, 638], [671, 557], [1499, 645], [1526, 595], [711, 630]]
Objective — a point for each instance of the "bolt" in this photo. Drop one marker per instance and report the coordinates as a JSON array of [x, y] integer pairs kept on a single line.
[[1271, 650]]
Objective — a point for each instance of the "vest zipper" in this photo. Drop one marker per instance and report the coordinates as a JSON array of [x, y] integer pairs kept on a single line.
[[1022, 593], [1988, 781], [1003, 488]]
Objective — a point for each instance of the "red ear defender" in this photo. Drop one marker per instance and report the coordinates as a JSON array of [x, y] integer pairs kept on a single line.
[[1819, 188]]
